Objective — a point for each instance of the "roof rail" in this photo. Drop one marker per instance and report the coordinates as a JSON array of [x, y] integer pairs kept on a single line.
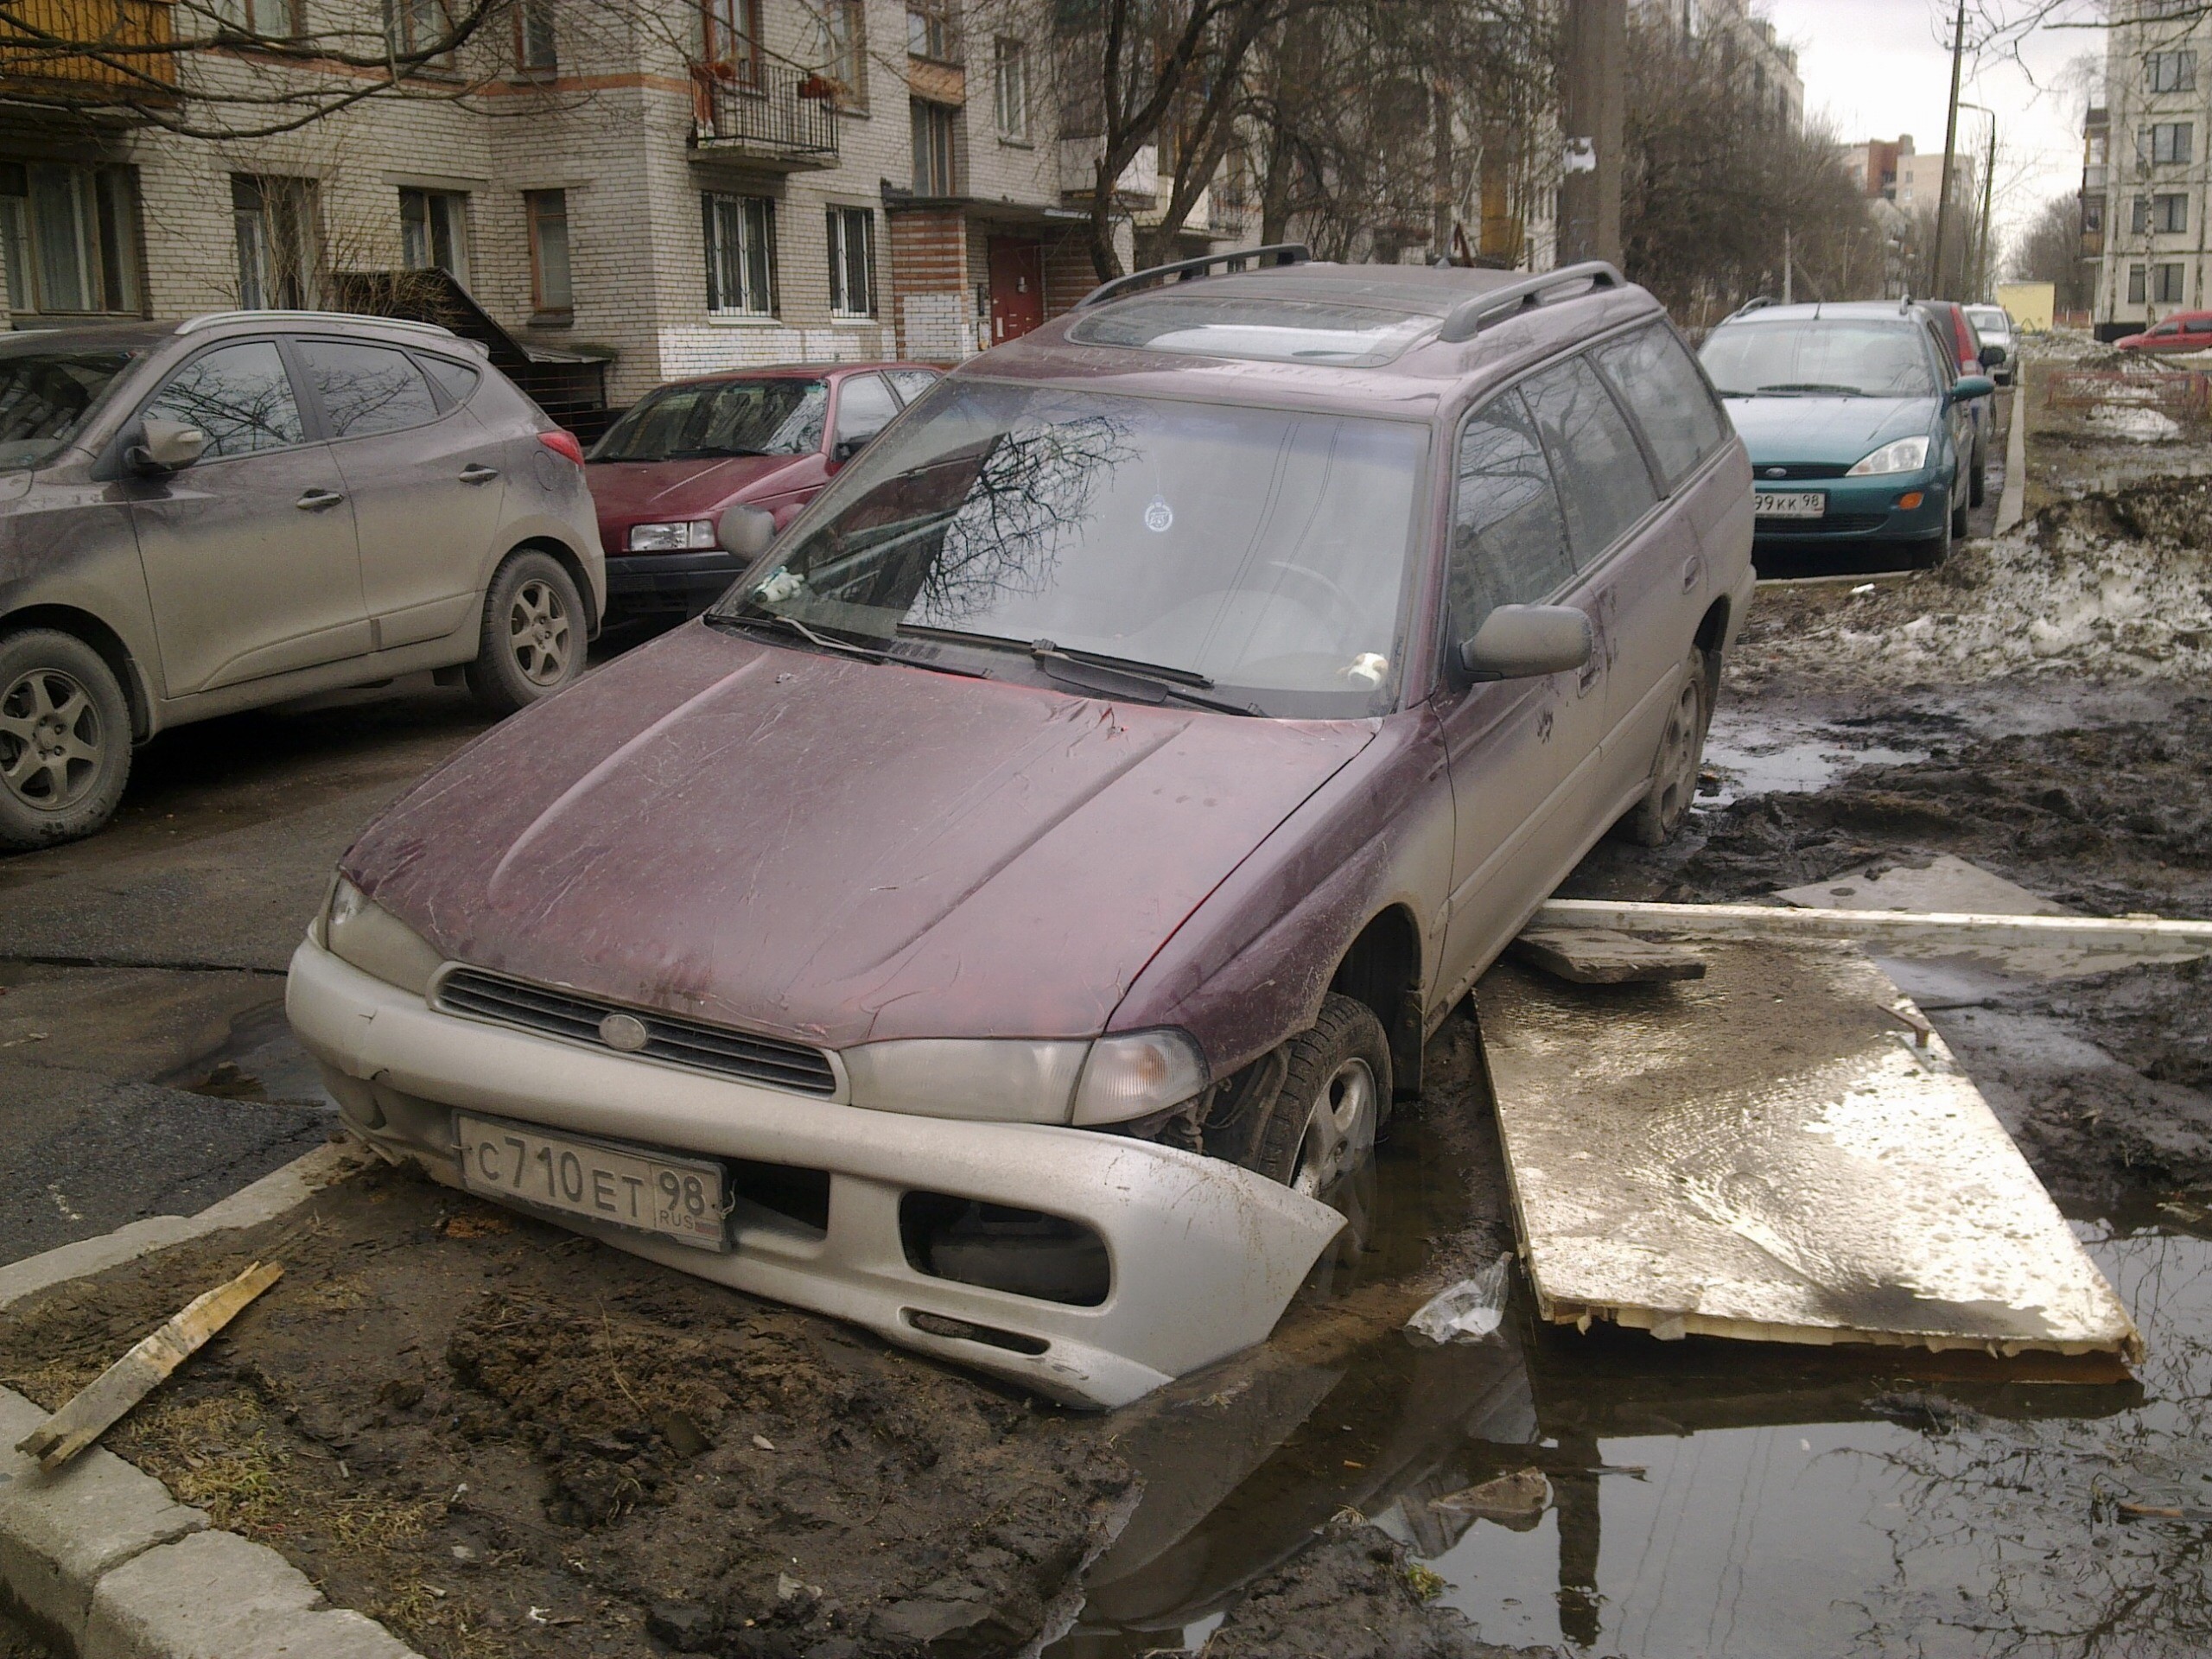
[[210, 319], [1756, 303], [1277, 253], [1467, 319]]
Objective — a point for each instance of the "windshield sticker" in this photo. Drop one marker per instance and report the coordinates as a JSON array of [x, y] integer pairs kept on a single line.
[[1159, 515]]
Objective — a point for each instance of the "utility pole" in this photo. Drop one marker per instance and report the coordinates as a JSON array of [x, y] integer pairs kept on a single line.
[[1983, 273], [1596, 90], [1788, 293], [1951, 138]]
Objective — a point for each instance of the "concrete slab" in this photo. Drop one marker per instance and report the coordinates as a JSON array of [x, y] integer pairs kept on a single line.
[[61, 1532], [217, 1596], [1591, 955], [1774, 1152]]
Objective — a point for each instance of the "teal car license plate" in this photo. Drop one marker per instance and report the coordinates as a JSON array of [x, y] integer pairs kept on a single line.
[[1799, 503]]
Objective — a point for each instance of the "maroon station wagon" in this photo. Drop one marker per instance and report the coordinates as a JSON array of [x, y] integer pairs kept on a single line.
[[663, 474], [1006, 917]]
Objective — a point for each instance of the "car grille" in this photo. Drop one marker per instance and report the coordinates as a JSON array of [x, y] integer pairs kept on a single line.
[[679, 1042], [1775, 473], [1836, 524]]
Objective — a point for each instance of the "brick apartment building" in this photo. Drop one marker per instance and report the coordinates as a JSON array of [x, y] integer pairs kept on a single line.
[[634, 191]]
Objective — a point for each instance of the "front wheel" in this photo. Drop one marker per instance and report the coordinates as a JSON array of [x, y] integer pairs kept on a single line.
[[65, 739], [1979, 493], [533, 640], [1336, 1089], [1681, 759]]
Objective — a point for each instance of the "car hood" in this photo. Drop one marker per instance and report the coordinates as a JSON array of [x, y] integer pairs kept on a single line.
[[1832, 429], [631, 492], [834, 850]]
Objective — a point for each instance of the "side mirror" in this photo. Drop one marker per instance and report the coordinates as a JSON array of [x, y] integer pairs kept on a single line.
[[746, 530], [1967, 387], [1992, 356], [166, 446], [847, 448], [1522, 642]]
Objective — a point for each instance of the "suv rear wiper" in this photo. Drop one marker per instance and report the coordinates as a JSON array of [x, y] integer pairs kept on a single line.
[[1116, 677]]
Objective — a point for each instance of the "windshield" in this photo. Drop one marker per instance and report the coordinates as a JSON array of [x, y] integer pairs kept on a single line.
[[45, 397], [706, 421], [1258, 553], [1989, 319], [1818, 359]]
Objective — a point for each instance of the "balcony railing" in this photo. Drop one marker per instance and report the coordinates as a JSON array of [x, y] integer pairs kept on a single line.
[[88, 51], [768, 112]]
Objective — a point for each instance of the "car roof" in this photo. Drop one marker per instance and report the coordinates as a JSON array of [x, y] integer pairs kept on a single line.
[[799, 372], [1377, 330], [1826, 311]]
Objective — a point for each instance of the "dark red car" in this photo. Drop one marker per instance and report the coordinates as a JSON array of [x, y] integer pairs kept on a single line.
[[2184, 330], [664, 475], [1005, 918]]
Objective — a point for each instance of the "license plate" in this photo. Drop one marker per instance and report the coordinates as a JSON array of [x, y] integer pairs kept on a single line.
[[1805, 503], [674, 1197]]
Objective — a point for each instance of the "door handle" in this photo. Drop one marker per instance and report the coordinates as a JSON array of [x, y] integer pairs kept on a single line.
[[478, 473], [1692, 568], [318, 501]]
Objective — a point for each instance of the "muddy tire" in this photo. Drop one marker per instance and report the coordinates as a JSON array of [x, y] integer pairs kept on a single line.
[[65, 739], [1958, 525], [1981, 489], [1335, 1091], [532, 638], [1679, 759]]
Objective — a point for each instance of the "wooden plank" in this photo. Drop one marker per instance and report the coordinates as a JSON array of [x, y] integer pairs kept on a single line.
[[96, 1407], [1592, 956], [2138, 933]]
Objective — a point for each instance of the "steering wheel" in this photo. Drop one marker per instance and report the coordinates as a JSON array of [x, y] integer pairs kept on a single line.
[[1346, 607]]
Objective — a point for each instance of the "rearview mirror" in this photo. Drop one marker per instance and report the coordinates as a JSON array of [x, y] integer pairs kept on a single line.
[[1967, 387], [746, 530], [166, 446], [1992, 356], [1521, 642]]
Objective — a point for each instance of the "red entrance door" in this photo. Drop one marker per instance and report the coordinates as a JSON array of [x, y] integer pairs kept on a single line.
[[1017, 287]]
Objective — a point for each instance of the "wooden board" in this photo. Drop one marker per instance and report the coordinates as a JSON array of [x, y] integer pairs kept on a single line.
[[1775, 1153], [1593, 955]]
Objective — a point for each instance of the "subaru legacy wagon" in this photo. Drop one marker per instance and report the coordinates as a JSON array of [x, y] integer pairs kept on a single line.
[[1005, 918], [203, 517]]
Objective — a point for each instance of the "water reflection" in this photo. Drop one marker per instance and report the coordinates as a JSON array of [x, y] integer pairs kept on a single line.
[[1613, 1495]]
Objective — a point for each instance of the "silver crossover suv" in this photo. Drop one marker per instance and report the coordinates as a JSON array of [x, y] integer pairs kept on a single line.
[[203, 516]]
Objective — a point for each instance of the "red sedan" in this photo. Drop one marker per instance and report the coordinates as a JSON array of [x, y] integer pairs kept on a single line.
[[2184, 331], [663, 474]]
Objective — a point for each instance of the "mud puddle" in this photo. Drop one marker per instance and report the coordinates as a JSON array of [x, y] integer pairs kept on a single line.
[[1753, 754], [259, 1059]]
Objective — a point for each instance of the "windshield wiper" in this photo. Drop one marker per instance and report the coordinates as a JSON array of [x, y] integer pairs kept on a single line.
[[1811, 387], [1090, 670], [757, 616]]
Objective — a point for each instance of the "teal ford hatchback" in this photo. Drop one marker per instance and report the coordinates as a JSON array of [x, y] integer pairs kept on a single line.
[[1857, 423]]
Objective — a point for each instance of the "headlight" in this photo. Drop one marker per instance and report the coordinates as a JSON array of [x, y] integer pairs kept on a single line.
[[359, 931], [1144, 1071], [1905, 455], [694, 537], [937, 1077]]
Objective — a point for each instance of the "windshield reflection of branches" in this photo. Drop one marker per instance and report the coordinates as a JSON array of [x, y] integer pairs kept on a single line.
[[1035, 487], [2058, 1572]]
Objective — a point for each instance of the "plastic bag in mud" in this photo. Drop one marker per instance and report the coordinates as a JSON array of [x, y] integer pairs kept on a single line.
[[1470, 1311]]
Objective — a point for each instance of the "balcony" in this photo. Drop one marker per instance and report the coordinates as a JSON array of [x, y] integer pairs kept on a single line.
[[765, 114], [83, 51]]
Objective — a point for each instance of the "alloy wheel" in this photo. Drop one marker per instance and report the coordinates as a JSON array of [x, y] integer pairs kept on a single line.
[[51, 745], [1341, 1131], [538, 632], [1676, 781]]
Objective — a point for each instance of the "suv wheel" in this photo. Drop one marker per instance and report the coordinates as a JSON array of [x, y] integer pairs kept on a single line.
[[1336, 1091], [65, 739], [533, 635], [1676, 767]]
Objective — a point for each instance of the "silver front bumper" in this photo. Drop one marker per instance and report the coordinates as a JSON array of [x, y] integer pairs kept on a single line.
[[1204, 1255]]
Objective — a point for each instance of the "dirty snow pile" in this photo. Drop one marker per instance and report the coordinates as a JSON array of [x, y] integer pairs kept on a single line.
[[2054, 596]]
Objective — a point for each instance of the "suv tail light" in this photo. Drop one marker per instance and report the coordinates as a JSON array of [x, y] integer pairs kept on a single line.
[[565, 445]]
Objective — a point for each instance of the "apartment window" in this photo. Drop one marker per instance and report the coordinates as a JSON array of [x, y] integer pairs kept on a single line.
[[2093, 213], [852, 262], [551, 296], [69, 239], [1011, 79], [2166, 285], [929, 32], [2168, 214], [842, 45], [419, 28], [741, 256], [733, 38], [934, 148], [2138, 287], [434, 232], [2164, 141], [278, 245], [268, 20], [2170, 72], [536, 47]]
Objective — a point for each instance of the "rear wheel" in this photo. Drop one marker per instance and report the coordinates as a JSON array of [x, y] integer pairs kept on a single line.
[[1335, 1091], [1680, 758], [1981, 489], [65, 739], [532, 642]]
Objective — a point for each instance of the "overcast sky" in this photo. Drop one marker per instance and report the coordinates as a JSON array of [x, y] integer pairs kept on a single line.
[[1882, 67]]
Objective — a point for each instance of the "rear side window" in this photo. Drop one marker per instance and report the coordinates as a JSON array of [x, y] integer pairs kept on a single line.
[[457, 380], [1652, 373], [864, 408], [1508, 540], [238, 396], [1602, 478], [367, 389]]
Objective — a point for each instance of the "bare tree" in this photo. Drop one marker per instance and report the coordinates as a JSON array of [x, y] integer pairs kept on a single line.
[[2051, 251]]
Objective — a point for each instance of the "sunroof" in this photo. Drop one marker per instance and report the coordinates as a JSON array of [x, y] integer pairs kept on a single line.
[[1233, 324]]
